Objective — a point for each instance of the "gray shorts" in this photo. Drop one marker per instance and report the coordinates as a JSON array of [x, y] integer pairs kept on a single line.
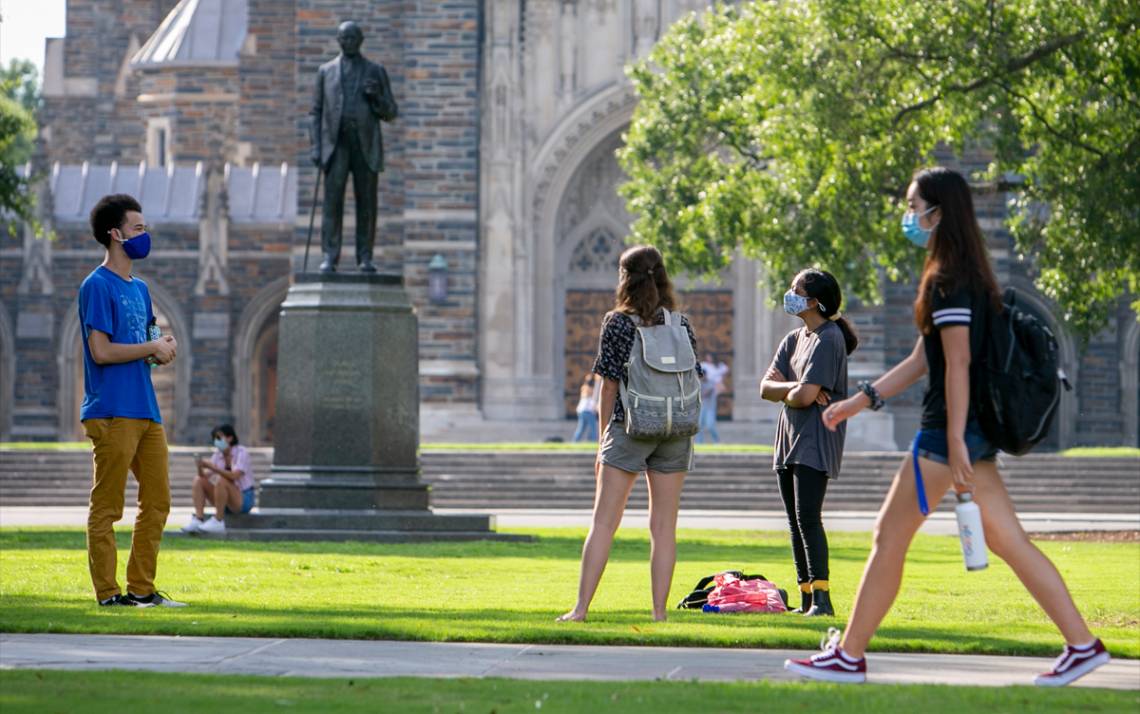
[[661, 455]]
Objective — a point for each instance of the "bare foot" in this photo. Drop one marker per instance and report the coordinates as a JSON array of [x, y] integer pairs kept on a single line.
[[572, 616]]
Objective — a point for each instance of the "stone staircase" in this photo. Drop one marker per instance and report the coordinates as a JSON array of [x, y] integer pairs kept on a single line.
[[482, 481]]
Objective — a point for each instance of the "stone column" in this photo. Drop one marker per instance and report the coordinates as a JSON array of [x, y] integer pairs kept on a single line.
[[347, 396], [347, 428]]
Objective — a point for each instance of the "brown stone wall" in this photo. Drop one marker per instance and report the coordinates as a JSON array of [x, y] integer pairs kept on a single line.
[[265, 115]]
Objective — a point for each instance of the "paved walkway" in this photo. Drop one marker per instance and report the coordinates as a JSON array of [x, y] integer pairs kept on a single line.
[[357, 658], [939, 523]]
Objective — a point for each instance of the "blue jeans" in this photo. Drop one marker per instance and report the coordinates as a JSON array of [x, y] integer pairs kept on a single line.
[[587, 426], [708, 422]]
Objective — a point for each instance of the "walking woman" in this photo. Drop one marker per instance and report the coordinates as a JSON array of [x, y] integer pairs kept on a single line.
[[644, 296], [956, 287], [808, 372]]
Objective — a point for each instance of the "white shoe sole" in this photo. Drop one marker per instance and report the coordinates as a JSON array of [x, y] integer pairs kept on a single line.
[[1074, 673], [824, 674]]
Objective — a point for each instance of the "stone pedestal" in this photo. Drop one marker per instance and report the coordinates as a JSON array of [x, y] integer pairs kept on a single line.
[[347, 420]]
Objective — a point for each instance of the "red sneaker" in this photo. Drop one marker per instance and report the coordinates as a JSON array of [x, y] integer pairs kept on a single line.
[[1074, 663], [830, 665]]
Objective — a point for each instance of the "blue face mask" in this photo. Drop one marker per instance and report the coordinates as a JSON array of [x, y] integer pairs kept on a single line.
[[795, 304], [138, 247], [220, 444], [915, 233]]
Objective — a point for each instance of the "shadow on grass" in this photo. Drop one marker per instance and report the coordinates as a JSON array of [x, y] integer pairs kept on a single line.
[[632, 627]]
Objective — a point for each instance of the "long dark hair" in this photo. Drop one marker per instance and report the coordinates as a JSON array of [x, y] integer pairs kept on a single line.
[[643, 284], [823, 286], [957, 255]]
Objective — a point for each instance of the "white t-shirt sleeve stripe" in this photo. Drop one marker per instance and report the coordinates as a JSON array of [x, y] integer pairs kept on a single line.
[[952, 320], [952, 311]]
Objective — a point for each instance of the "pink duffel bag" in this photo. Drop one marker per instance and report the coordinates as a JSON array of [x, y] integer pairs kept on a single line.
[[732, 594]]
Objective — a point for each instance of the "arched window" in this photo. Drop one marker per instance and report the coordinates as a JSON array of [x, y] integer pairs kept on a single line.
[[597, 251]]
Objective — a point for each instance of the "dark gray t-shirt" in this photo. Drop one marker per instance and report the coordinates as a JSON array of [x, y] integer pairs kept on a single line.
[[812, 358]]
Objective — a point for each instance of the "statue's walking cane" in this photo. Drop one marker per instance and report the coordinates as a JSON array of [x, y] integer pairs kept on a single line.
[[312, 218]]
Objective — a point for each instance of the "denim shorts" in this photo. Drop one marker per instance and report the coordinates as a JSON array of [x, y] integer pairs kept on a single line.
[[932, 444], [246, 501]]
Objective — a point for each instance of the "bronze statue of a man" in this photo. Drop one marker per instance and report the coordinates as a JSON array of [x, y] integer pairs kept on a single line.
[[352, 97]]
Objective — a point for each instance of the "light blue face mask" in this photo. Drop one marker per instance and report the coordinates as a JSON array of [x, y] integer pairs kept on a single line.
[[220, 444], [915, 233], [795, 304]]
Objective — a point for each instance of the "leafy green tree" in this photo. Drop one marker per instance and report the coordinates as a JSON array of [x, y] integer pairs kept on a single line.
[[789, 130], [19, 100], [19, 81]]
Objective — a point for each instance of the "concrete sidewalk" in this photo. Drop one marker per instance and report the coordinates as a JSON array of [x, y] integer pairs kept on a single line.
[[358, 658], [939, 523]]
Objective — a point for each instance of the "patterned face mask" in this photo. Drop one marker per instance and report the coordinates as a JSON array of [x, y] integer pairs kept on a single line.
[[795, 304]]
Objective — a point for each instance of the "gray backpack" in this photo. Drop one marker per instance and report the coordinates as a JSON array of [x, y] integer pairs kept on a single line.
[[662, 398]]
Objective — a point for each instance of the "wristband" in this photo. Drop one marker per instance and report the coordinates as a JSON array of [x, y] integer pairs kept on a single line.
[[873, 394]]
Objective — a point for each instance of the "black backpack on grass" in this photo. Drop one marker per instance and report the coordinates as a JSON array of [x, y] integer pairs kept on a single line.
[[1017, 381]]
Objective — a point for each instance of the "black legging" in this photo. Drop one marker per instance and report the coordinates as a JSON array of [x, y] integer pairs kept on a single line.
[[802, 489]]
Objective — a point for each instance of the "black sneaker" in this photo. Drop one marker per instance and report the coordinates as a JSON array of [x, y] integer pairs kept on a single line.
[[155, 599], [117, 599]]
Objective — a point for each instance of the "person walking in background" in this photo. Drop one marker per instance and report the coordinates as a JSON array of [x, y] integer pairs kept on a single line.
[[809, 371], [225, 480], [644, 298], [587, 410], [120, 412], [955, 291], [712, 384]]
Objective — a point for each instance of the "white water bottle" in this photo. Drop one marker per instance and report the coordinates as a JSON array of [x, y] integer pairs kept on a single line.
[[970, 532]]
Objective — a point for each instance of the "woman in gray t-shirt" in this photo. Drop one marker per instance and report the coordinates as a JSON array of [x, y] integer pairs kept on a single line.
[[808, 372]]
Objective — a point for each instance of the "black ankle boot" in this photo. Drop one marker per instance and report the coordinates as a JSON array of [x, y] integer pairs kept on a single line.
[[821, 604], [805, 603]]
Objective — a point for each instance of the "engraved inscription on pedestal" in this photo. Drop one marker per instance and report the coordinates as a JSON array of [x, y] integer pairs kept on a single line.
[[343, 385]]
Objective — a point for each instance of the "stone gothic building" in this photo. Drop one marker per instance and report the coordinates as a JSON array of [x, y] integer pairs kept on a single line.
[[501, 167]]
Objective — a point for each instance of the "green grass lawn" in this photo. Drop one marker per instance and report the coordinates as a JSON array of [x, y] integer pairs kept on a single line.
[[1102, 452], [46, 692], [511, 592]]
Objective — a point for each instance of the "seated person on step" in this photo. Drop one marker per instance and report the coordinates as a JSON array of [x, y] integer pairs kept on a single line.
[[224, 480]]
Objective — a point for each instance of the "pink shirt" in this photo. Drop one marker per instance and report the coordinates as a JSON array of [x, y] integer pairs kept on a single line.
[[239, 461]]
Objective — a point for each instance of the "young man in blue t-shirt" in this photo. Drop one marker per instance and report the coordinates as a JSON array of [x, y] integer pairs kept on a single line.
[[120, 413]]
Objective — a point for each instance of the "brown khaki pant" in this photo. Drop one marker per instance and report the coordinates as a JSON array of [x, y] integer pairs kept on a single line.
[[138, 445]]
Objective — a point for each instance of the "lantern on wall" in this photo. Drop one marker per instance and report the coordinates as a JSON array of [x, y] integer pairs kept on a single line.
[[437, 279]]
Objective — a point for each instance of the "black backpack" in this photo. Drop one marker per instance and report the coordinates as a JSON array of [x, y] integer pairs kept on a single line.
[[1017, 381]]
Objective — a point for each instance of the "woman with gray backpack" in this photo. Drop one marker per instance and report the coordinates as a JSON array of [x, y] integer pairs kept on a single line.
[[649, 407]]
